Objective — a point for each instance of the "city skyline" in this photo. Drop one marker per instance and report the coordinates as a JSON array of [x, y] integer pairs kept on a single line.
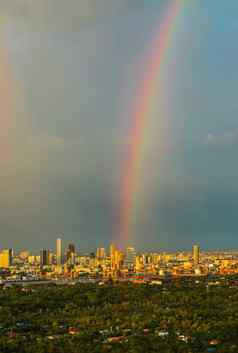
[[69, 89], [62, 247], [66, 263]]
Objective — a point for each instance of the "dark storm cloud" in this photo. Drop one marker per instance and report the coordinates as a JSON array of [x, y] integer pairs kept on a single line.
[[64, 15], [75, 63]]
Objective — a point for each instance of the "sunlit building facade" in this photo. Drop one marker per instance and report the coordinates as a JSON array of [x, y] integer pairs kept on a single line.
[[59, 258], [196, 255], [6, 258], [130, 258]]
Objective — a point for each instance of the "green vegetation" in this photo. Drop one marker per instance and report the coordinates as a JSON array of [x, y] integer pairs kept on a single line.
[[179, 316]]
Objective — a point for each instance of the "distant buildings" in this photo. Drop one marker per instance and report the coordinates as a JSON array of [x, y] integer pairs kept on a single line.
[[196, 255], [130, 258], [70, 254], [24, 255], [44, 257], [6, 258], [101, 254], [113, 256], [102, 264], [116, 258], [59, 258]]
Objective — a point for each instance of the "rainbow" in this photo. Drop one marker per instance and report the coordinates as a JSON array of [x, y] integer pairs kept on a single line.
[[141, 115]]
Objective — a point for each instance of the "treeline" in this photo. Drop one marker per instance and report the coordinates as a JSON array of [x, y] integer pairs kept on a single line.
[[178, 316]]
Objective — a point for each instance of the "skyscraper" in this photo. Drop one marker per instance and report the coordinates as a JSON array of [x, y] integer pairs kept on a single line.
[[116, 257], [100, 253], [6, 258], [130, 259], [59, 252], [70, 254], [44, 257], [196, 255], [112, 255]]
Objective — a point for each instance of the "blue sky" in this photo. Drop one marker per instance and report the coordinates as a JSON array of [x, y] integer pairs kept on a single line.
[[75, 66]]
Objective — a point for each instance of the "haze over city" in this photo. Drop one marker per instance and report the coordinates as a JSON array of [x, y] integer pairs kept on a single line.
[[69, 85]]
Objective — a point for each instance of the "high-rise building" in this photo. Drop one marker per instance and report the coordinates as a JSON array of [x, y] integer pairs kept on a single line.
[[44, 257], [196, 255], [112, 255], [112, 249], [101, 254], [119, 256], [116, 258], [130, 259], [59, 252], [51, 257], [70, 254], [139, 263], [6, 258]]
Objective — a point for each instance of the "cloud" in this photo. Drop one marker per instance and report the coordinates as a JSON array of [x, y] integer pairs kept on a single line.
[[52, 141], [46, 140], [61, 14], [227, 137]]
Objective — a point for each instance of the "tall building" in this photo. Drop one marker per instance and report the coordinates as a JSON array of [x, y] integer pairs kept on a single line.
[[139, 263], [51, 257], [59, 251], [101, 254], [70, 254], [116, 258], [112, 249], [196, 255], [112, 255], [130, 259], [119, 256], [6, 258], [44, 257], [71, 248]]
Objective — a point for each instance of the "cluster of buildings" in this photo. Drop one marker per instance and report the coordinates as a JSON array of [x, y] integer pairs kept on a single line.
[[67, 263]]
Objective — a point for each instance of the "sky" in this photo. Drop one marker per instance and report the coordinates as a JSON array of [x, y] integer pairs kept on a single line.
[[69, 73]]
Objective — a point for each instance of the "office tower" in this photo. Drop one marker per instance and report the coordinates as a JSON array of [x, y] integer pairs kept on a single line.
[[112, 249], [196, 255], [70, 254], [59, 251], [112, 255], [119, 256], [51, 257], [71, 249], [101, 254], [130, 259], [116, 258], [139, 263], [44, 257], [6, 258]]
